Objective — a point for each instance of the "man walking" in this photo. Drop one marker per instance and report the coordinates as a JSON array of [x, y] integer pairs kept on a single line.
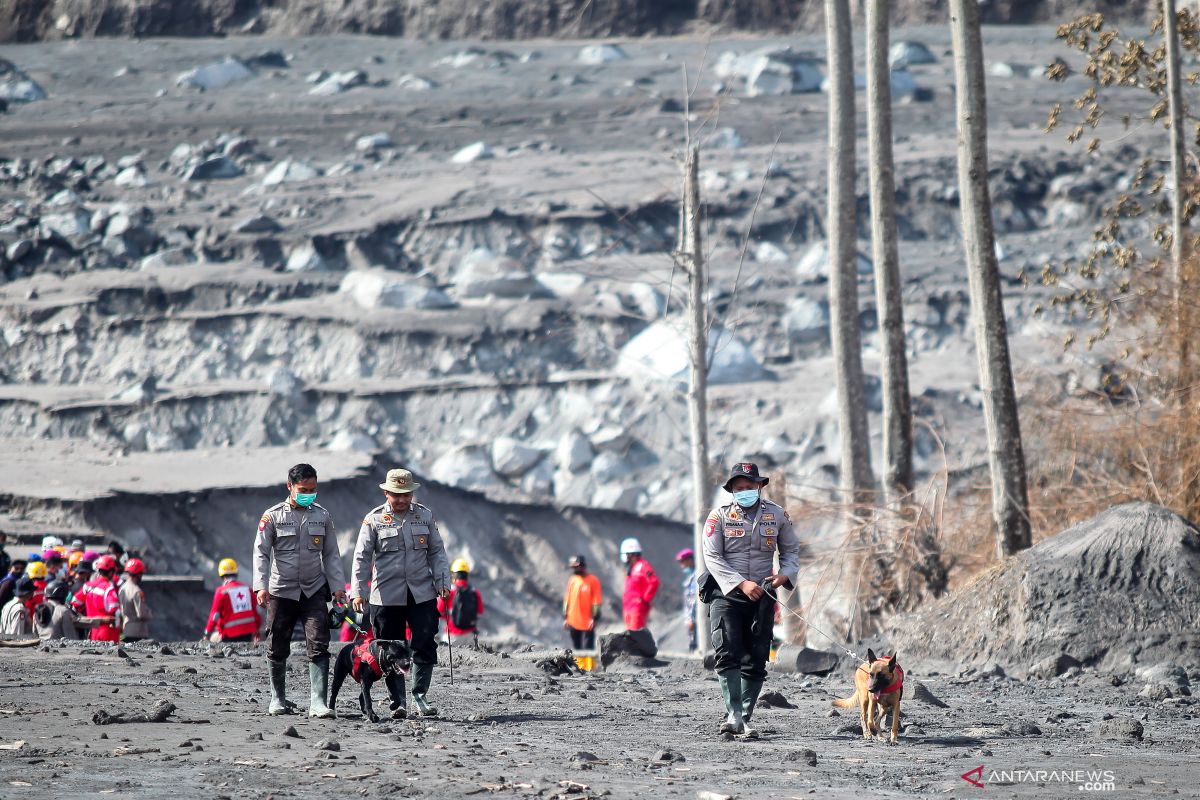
[[581, 608], [687, 563], [641, 585], [740, 542], [401, 555], [463, 608], [297, 568]]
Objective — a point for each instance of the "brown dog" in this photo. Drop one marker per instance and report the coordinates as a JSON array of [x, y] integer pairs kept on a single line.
[[878, 687]]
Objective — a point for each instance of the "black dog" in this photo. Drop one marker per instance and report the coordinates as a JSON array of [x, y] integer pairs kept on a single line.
[[368, 660]]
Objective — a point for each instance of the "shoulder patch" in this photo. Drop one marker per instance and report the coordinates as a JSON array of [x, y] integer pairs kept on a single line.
[[711, 525]]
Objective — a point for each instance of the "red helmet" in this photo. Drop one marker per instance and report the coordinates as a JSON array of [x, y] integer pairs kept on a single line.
[[134, 566], [106, 563]]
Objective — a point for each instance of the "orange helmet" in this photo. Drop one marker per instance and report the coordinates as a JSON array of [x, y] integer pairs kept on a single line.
[[135, 566], [75, 558]]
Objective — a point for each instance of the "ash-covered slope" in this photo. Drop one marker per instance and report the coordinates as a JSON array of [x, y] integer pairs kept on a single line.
[[1117, 590]]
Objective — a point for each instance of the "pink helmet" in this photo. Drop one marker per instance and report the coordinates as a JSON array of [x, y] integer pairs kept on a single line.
[[684, 553]]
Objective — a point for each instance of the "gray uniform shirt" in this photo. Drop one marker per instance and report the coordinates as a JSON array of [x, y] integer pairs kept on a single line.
[[134, 610], [61, 624], [14, 620], [296, 552], [740, 547], [400, 554]]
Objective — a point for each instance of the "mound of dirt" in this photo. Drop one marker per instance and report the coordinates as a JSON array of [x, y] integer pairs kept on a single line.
[[1111, 592]]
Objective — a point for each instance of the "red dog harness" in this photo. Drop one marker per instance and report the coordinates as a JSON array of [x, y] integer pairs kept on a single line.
[[896, 684], [363, 655]]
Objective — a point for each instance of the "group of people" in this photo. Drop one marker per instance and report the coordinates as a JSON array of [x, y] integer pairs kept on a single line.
[[70, 592]]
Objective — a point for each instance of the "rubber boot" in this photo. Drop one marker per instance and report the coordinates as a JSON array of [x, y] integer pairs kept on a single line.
[[395, 684], [731, 690], [279, 702], [750, 691], [423, 674], [318, 689]]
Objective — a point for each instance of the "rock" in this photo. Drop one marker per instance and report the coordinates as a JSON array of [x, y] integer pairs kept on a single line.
[[374, 288], [1165, 674], [471, 153], [1052, 666], [291, 732], [483, 274], [773, 71], [809, 757], [1020, 727], [288, 171], [18, 250], [211, 169], [283, 382], [771, 79], [705, 794], [806, 320], [69, 224], [348, 440], [904, 85], [170, 257], [215, 76], [660, 353], [415, 83], [16, 86], [1002, 69], [574, 452], [627, 643], [132, 177], [668, 757], [513, 459], [373, 142], [814, 266], [1117, 729], [339, 82], [584, 756], [647, 301], [468, 467], [139, 392], [601, 54], [806, 660], [305, 258], [328, 745], [908, 54], [724, 139], [774, 699], [769, 253], [268, 59], [259, 223]]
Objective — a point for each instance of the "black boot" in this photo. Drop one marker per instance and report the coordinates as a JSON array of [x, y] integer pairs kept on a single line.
[[423, 675], [399, 704]]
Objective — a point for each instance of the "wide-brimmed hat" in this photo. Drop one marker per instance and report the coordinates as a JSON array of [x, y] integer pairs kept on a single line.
[[745, 469], [399, 481]]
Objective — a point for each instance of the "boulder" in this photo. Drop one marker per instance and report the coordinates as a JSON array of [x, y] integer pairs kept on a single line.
[[908, 54], [68, 224], [373, 143], [660, 353], [215, 76], [289, 171], [639, 644], [376, 288], [282, 382], [483, 274], [339, 82], [805, 660], [259, 223], [305, 258], [472, 152], [170, 257], [574, 452], [806, 320], [212, 169], [512, 459], [353, 440], [132, 177], [468, 467], [724, 139], [813, 267], [415, 83], [601, 54]]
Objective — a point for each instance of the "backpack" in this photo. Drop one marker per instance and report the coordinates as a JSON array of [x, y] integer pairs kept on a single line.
[[464, 612]]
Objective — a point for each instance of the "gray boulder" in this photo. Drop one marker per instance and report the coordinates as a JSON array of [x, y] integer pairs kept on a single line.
[[382, 289], [215, 76], [513, 459]]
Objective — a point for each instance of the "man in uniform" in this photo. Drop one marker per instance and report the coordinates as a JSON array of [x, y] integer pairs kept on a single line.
[[135, 612], [297, 568], [740, 543], [401, 554], [687, 563]]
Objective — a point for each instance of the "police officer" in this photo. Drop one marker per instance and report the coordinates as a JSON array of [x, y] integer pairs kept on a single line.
[[740, 542], [297, 568], [402, 555]]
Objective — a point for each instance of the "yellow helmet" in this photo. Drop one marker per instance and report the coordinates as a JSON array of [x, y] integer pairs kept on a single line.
[[36, 570], [227, 567], [460, 565]]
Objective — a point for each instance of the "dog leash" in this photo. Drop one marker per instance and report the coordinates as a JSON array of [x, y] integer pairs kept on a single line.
[[800, 617]]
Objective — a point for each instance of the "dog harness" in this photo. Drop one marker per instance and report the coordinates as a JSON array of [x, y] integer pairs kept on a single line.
[[896, 684], [363, 655]]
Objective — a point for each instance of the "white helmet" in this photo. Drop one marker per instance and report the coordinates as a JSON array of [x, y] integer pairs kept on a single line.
[[630, 546], [51, 541]]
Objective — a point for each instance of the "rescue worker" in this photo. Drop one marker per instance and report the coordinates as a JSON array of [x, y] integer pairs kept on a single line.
[[100, 601], [55, 619], [234, 616], [36, 572], [581, 608], [83, 574], [135, 612], [401, 553], [687, 563], [740, 543], [463, 608], [15, 617], [297, 569], [16, 570], [641, 585], [76, 547], [56, 565]]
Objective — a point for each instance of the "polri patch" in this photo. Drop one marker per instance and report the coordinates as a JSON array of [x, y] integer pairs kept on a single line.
[[710, 526]]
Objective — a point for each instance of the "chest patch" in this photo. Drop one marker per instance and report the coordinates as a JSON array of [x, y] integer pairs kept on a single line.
[[735, 533]]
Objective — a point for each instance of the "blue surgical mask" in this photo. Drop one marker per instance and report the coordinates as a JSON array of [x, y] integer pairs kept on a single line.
[[746, 497], [305, 500]]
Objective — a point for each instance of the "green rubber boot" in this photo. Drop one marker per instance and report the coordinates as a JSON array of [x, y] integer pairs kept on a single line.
[[750, 692], [318, 689], [279, 702], [422, 676], [731, 691]]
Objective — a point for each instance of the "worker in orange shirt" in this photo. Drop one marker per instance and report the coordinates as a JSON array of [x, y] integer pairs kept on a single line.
[[581, 606]]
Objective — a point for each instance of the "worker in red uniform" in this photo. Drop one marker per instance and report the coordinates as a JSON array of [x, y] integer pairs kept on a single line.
[[463, 608], [100, 600], [36, 572], [234, 616], [641, 585]]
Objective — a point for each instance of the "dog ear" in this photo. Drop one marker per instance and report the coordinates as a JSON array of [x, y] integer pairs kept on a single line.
[[895, 662], [871, 656]]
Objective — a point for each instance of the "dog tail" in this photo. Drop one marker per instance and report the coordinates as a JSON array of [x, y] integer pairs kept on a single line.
[[845, 702]]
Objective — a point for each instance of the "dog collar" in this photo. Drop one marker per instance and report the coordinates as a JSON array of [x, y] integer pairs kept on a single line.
[[896, 684]]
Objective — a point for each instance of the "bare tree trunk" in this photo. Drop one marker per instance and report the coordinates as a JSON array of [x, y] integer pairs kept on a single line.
[[897, 401], [792, 630], [1010, 500], [856, 478], [693, 256], [1179, 244]]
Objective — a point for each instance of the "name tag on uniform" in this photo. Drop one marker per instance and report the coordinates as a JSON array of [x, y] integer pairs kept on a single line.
[[387, 533], [285, 529], [768, 517], [734, 533]]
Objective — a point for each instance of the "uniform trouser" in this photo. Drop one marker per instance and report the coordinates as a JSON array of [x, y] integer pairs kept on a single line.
[[389, 622], [285, 613], [741, 635], [583, 640], [636, 615]]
